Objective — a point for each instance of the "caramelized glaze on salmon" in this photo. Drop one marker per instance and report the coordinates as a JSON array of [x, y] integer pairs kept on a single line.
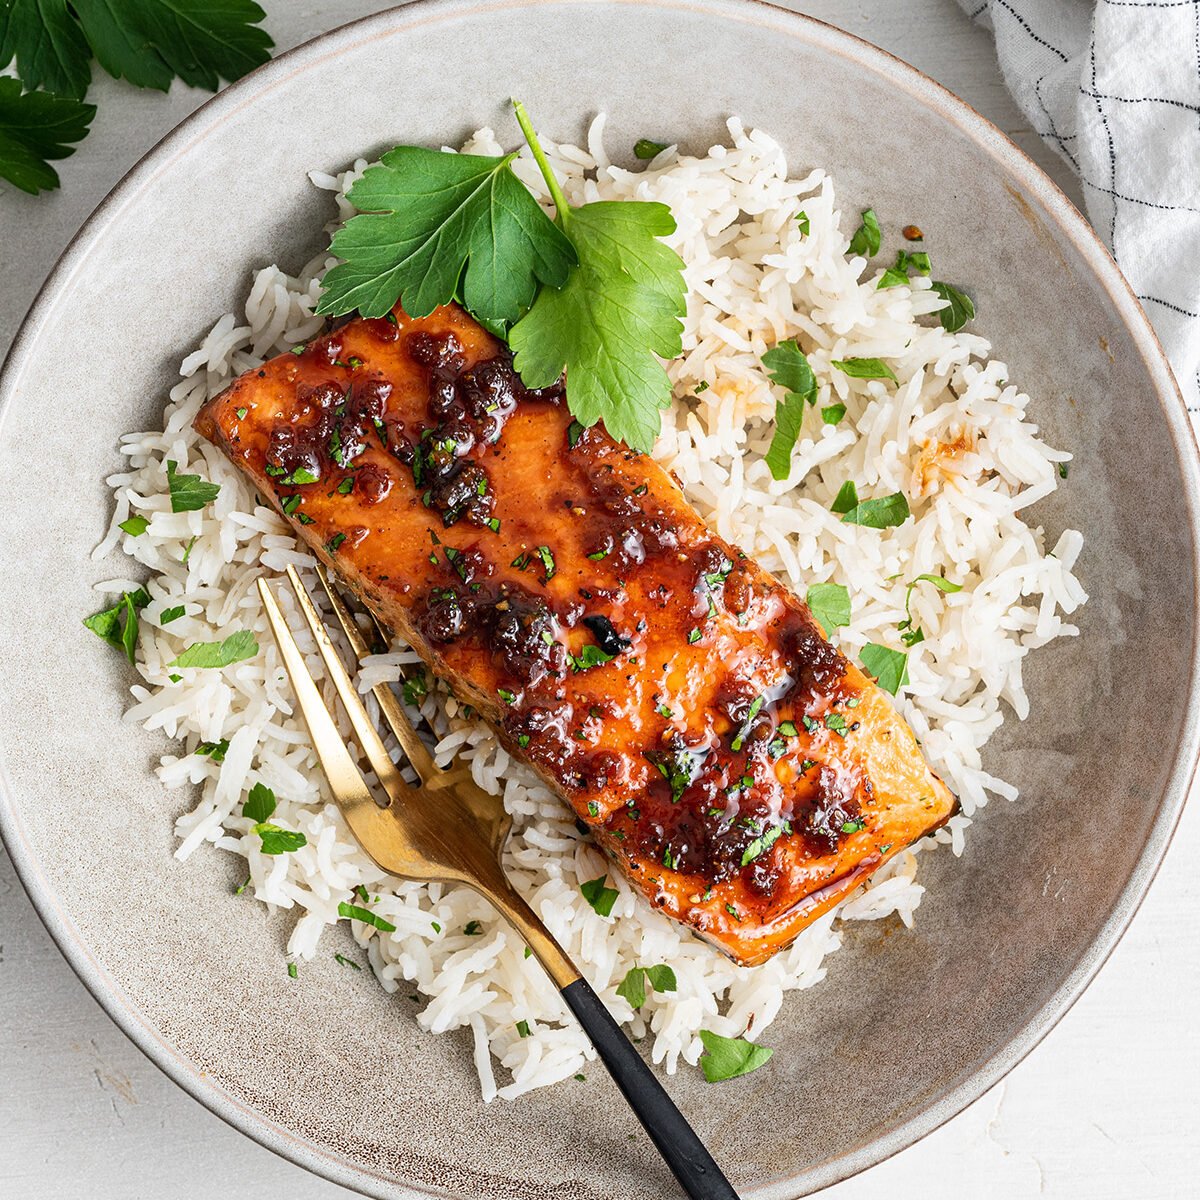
[[741, 772]]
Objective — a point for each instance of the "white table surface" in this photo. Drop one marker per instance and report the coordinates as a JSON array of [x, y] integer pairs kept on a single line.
[[1107, 1106]]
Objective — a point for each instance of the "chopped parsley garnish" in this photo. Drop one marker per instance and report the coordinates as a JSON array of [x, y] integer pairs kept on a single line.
[[959, 307], [761, 844], [593, 809], [664, 710], [357, 913], [733, 912], [694, 636], [292, 972], [279, 841], [789, 369], [867, 237], [118, 626], [829, 603], [214, 750], [788, 729], [1063, 469], [346, 486], [574, 432], [241, 413], [633, 987], [493, 523], [505, 695], [597, 555], [589, 656], [864, 368], [260, 803], [905, 262], [727, 1058], [677, 767], [472, 929], [523, 1029], [831, 414], [341, 960], [299, 348], [334, 542], [910, 636], [836, 722], [187, 550], [645, 149], [305, 519], [809, 724], [847, 498], [854, 826], [802, 222], [299, 477], [669, 860], [599, 896], [189, 493], [136, 525], [740, 737], [881, 513], [890, 667], [522, 740], [544, 553], [291, 503], [235, 648]]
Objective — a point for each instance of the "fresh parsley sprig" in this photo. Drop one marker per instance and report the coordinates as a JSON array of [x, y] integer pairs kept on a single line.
[[147, 42], [622, 304]]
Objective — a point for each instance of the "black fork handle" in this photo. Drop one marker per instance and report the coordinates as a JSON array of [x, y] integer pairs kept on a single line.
[[669, 1130]]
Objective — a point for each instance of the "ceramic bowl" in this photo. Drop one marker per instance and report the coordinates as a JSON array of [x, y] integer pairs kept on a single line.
[[909, 1027]]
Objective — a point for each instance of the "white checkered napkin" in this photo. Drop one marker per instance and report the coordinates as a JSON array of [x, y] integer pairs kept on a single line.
[[1114, 87]]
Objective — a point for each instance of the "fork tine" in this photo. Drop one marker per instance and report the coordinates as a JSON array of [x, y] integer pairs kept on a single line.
[[395, 716], [339, 766], [364, 732]]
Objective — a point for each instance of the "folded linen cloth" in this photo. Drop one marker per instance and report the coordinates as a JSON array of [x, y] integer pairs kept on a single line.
[[1114, 87]]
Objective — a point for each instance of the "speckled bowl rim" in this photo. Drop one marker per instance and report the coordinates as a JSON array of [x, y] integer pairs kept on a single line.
[[1011, 161]]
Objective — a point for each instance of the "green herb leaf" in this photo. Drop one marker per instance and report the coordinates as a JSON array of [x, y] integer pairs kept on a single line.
[[260, 804], [940, 582], [747, 722], [298, 478], [802, 222], [867, 237], [622, 305], [216, 751], [847, 498], [829, 603], [833, 413], [729, 1057], [890, 667], [855, 826], [36, 128], [1063, 470], [905, 262], [189, 493], [135, 526], [523, 1029], [292, 970], [790, 369], [881, 513], [279, 841], [346, 962], [662, 978], [864, 368], [600, 897], [432, 225], [235, 648], [118, 626], [959, 307], [761, 844], [589, 656], [49, 46], [355, 913], [633, 987], [645, 149], [472, 929], [415, 690], [171, 614]]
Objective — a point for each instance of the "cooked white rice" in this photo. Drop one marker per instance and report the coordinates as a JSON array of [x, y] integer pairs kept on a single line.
[[753, 279]]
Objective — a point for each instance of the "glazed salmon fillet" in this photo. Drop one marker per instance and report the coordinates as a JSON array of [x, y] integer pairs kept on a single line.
[[742, 773]]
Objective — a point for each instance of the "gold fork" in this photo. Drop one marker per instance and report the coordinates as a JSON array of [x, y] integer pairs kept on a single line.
[[447, 828]]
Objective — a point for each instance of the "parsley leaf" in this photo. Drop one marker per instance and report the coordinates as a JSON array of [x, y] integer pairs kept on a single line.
[[279, 841], [622, 305], [831, 414], [890, 667], [645, 149], [235, 648], [788, 367], [905, 262], [49, 46], [35, 129], [829, 603], [430, 223], [726, 1058], [214, 750], [135, 526], [260, 803], [959, 307], [761, 844], [867, 237], [355, 913], [881, 513], [118, 626], [601, 898], [864, 368], [589, 656], [189, 493], [847, 498], [633, 987]]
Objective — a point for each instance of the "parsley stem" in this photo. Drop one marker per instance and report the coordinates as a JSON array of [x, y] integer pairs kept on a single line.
[[561, 207]]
